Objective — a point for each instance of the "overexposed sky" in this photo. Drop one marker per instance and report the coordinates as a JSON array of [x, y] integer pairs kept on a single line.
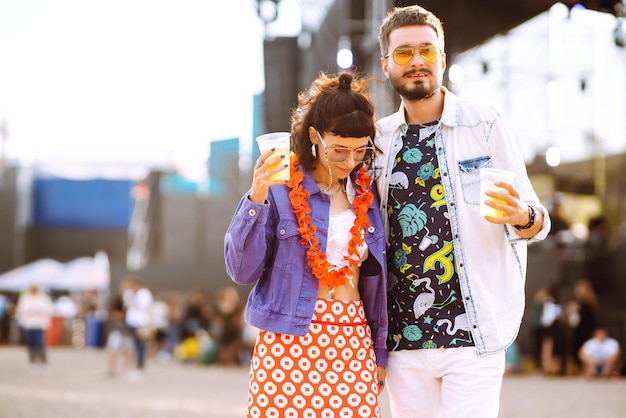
[[126, 80], [569, 97]]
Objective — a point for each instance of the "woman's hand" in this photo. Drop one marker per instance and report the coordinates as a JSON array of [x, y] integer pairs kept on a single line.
[[381, 374], [261, 181]]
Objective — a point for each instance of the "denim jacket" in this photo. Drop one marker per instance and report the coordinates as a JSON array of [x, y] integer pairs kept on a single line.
[[490, 259], [263, 245]]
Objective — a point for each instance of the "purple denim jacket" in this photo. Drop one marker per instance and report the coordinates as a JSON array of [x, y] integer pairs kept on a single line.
[[263, 245]]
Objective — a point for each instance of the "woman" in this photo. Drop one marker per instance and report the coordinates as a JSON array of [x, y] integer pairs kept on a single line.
[[315, 248]]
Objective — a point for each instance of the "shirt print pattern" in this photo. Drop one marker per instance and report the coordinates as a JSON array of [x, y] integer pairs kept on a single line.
[[425, 305]]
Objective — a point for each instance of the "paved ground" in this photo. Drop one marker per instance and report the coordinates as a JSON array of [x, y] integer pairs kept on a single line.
[[76, 387]]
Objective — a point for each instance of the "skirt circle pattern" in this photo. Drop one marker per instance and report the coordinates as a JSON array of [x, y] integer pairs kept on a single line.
[[328, 373]]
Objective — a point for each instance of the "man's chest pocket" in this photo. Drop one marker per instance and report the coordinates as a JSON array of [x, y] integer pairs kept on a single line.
[[469, 171]]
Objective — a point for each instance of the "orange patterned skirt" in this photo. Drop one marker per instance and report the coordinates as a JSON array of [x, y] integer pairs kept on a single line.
[[328, 373]]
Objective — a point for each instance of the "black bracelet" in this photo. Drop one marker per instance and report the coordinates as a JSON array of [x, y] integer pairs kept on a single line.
[[531, 222]]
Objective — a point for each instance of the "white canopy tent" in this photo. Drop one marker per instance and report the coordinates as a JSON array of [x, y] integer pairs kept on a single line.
[[84, 273]]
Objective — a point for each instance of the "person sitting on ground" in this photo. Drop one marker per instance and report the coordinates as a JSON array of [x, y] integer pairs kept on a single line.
[[599, 354]]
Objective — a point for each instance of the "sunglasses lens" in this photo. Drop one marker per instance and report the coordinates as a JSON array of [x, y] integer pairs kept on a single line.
[[362, 154], [359, 154], [338, 155], [430, 53], [402, 55]]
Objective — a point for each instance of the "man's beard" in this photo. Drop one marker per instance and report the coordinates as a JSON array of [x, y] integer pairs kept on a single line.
[[416, 91]]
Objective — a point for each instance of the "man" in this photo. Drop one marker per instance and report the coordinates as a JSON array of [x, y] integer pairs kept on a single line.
[[456, 277], [33, 313]]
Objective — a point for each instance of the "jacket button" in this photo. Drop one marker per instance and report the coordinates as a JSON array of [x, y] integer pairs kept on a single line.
[[252, 212], [371, 229], [282, 232]]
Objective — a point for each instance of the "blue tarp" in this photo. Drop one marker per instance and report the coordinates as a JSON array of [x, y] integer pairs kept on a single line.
[[93, 203]]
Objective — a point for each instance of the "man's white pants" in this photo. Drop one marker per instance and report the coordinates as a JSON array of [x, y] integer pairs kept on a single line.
[[444, 383]]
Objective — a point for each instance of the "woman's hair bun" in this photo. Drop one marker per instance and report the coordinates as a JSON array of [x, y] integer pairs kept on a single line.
[[345, 80]]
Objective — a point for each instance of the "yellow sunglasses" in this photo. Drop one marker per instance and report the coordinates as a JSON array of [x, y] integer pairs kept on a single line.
[[403, 54]]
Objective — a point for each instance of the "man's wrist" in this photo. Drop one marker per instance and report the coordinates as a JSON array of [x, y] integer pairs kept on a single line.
[[532, 218]]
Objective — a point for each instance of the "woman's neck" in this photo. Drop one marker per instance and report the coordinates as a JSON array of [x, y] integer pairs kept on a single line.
[[325, 181], [333, 189]]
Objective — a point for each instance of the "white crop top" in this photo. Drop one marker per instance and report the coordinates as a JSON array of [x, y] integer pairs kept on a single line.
[[338, 237]]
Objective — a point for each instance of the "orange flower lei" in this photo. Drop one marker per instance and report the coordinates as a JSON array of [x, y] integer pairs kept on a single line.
[[320, 267]]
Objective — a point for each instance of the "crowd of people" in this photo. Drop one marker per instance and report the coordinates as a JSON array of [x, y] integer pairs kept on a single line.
[[193, 328], [133, 324], [566, 331]]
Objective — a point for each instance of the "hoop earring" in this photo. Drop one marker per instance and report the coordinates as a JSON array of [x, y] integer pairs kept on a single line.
[[314, 150]]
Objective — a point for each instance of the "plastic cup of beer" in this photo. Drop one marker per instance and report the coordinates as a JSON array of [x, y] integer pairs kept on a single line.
[[487, 178], [280, 142]]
